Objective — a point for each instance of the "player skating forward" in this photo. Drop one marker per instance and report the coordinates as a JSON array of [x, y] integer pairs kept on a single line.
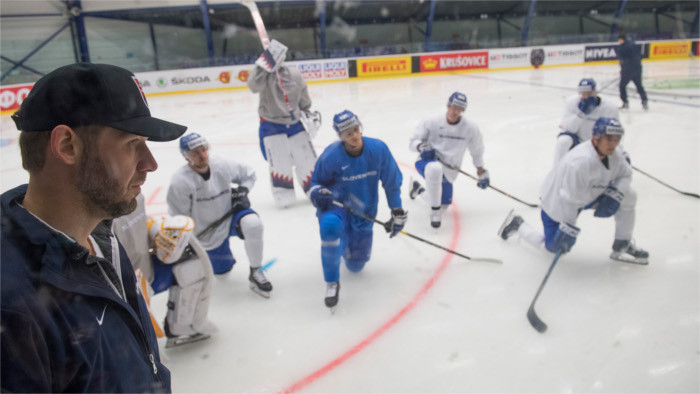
[[168, 256], [284, 115], [349, 172], [593, 175], [445, 139], [202, 190], [580, 114]]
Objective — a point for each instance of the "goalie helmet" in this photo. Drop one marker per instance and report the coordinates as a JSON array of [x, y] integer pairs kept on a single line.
[[170, 235], [608, 126], [191, 141]]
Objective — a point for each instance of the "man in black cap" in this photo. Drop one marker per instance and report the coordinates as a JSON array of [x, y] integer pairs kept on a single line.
[[72, 320], [630, 55]]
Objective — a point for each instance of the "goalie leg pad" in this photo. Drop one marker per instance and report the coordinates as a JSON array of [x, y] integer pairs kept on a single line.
[[279, 158], [304, 157], [188, 300]]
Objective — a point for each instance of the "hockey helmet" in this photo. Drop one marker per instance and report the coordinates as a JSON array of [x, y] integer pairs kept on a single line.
[[191, 141], [610, 126], [344, 121], [586, 85], [458, 99]]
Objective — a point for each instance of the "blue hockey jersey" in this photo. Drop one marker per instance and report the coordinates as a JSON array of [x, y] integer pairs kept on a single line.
[[354, 181]]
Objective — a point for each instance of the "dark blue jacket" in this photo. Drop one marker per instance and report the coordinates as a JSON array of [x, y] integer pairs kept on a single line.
[[630, 55], [64, 326]]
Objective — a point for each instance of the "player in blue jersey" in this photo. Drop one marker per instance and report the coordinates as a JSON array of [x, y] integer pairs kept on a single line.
[[349, 172]]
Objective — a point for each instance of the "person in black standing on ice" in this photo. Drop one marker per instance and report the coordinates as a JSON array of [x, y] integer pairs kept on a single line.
[[630, 56]]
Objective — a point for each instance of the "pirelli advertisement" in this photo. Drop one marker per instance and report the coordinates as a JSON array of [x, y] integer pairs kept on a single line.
[[384, 66], [670, 50]]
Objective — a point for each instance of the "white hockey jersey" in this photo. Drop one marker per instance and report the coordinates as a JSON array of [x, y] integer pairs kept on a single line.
[[207, 201], [450, 142], [579, 178], [574, 121]]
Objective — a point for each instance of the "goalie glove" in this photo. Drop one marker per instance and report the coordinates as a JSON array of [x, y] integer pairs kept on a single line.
[[170, 235], [272, 57], [311, 122]]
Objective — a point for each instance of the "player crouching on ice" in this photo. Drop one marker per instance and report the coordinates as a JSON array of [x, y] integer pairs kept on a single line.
[[166, 255], [285, 112], [348, 172], [444, 139], [593, 175], [202, 190], [581, 111]]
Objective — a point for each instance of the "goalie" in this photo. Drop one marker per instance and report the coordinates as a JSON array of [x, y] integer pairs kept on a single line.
[[285, 114], [166, 255]]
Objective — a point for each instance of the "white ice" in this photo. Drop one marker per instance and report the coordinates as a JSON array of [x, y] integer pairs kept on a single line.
[[420, 320]]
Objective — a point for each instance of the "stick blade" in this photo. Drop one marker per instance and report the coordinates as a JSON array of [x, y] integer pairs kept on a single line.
[[535, 320]]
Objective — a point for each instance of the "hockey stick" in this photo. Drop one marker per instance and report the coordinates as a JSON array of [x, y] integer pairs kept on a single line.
[[492, 187], [535, 320], [384, 224], [265, 40], [607, 85], [217, 223], [667, 185]]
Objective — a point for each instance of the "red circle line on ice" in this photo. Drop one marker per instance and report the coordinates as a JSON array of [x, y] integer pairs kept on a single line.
[[307, 380]]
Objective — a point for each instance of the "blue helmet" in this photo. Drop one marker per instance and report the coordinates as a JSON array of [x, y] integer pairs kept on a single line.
[[458, 99], [344, 121], [191, 141], [586, 85], [608, 126]]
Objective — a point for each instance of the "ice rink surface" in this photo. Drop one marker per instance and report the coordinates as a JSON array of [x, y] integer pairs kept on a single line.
[[420, 320]]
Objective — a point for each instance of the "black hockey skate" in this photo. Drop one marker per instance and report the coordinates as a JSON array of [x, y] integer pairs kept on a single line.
[[645, 105], [331, 300], [259, 283], [510, 225], [628, 252], [179, 340], [625, 106], [416, 189]]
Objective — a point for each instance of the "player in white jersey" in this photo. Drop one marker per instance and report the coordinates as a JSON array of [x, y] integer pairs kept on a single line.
[[287, 124], [445, 139], [202, 190], [593, 175], [166, 256], [580, 114]]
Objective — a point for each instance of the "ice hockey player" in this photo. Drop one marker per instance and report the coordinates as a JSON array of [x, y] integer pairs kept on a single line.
[[630, 55], [285, 113], [349, 172], [594, 175], [164, 251], [580, 114], [445, 139], [202, 190]]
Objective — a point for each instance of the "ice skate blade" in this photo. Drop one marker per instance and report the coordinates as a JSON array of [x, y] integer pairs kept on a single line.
[[630, 260], [257, 290], [179, 341]]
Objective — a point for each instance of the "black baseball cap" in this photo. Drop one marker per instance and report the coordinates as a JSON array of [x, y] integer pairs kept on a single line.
[[85, 94]]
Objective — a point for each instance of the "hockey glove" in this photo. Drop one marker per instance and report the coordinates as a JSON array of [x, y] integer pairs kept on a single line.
[[565, 238], [608, 203], [272, 57], [239, 198], [397, 221], [588, 105], [322, 198], [484, 180], [426, 151], [311, 122]]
